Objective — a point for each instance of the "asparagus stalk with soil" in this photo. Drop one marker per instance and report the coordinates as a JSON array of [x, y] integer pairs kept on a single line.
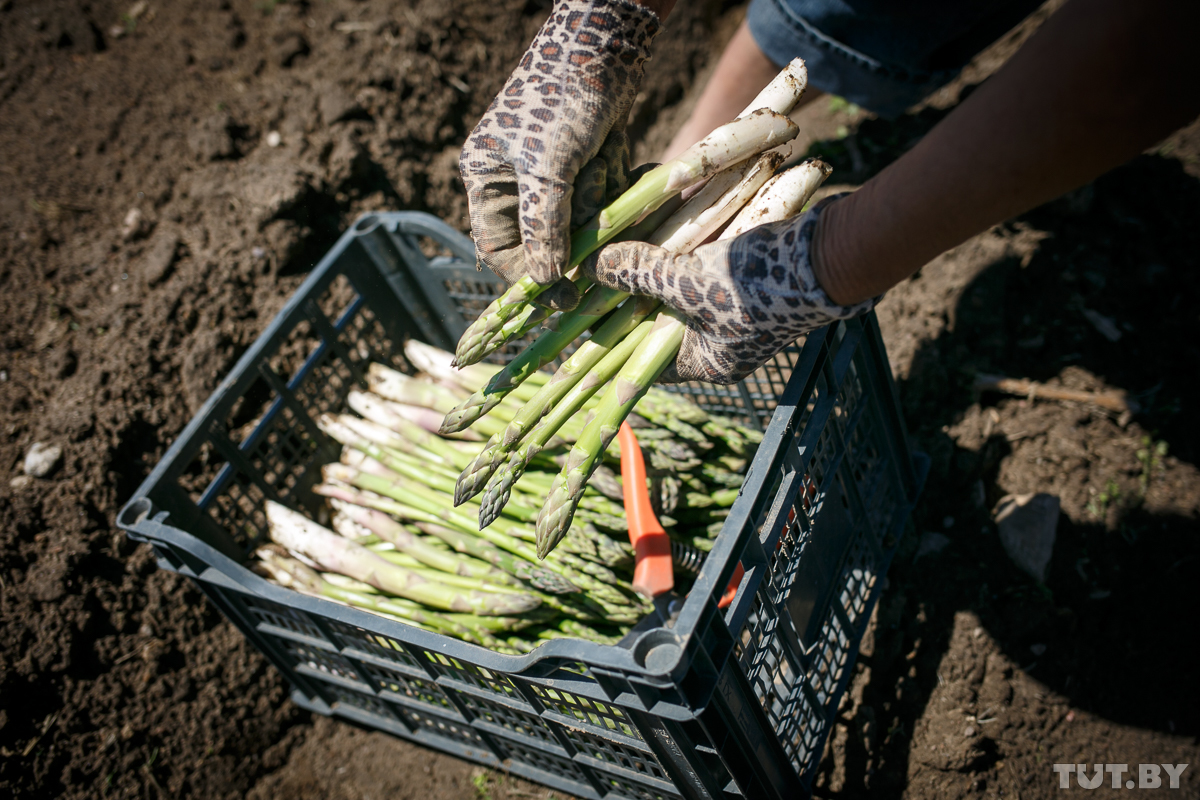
[[780, 198], [337, 554]]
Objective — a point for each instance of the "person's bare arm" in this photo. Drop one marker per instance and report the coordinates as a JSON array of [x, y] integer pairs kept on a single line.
[[1100, 81]]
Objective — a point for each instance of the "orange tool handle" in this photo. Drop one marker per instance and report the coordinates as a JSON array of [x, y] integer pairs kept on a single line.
[[736, 580], [731, 589], [653, 573]]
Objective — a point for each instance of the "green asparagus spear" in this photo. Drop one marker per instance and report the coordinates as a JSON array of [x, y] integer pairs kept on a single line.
[[499, 488], [459, 539], [619, 325], [652, 356], [595, 304]]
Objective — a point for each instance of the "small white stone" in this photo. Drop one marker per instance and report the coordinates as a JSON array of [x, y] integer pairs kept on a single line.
[[134, 224], [42, 459], [274, 139], [20, 482]]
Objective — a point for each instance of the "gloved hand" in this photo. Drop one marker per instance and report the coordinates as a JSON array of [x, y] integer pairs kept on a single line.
[[745, 298], [552, 149]]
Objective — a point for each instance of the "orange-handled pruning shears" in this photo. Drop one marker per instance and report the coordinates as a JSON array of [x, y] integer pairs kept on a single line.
[[653, 572]]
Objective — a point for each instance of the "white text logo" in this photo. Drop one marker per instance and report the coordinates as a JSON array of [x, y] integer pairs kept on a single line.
[[1149, 776]]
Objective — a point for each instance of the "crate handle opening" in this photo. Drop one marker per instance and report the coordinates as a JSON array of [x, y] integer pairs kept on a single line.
[[137, 510], [658, 650], [366, 223]]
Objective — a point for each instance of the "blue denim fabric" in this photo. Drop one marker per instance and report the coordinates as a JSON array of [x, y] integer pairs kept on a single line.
[[884, 55]]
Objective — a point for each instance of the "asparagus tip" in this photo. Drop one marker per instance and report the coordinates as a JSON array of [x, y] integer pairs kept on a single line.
[[462, 493], [488, 514]]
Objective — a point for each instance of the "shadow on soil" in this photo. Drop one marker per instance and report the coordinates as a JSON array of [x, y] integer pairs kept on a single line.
[[1105, 631]]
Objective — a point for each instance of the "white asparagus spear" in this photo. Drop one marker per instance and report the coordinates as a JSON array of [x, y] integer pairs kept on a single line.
[[715, 204], [425, 418], [344, 526], [780, 198], [383, 422], [781, 96], [347, 429], [750, 135], [784, 90], [333, 553], [437, 363]]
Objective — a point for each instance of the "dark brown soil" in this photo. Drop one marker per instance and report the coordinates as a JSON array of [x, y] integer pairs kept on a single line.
[[149, 232]]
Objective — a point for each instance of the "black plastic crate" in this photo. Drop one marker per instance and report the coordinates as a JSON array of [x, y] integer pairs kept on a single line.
[[733, 702]]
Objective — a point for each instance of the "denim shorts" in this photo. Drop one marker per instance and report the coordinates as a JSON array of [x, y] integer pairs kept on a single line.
[[884, 55]]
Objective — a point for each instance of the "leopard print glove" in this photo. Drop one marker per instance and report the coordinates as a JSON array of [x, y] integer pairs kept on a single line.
[[745, 298], [552, 148]]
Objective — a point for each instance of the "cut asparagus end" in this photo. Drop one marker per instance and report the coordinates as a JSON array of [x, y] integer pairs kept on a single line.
[[336, 554], [400, 388], [287, 571], [437, 364]]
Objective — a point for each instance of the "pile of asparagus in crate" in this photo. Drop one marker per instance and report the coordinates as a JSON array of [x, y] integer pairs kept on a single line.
[[396, 545], [482, 502]]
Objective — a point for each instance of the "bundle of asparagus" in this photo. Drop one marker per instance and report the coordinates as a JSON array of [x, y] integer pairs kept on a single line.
[[396, 545], [637, 338]]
